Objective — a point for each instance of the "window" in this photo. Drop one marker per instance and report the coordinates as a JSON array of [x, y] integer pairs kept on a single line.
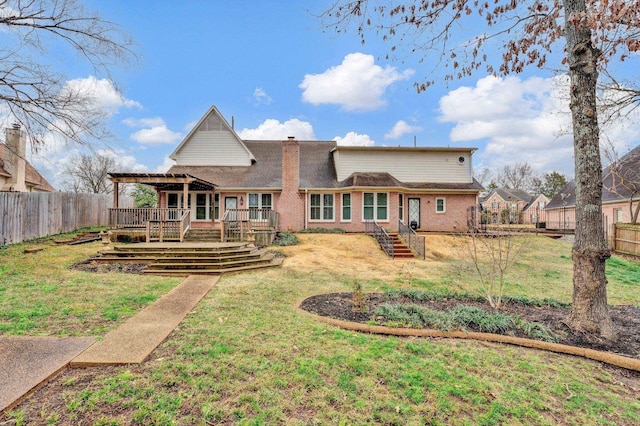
[[375, 206], [441, 205], [401, 207], [617, 215], [494, 205], [257, 202], [321, 207], [202, 201], [346, 207], [216, 206]]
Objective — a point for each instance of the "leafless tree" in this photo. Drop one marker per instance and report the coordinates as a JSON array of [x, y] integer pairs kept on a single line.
[[516, 176], [622, 177], [89, 173], [590, 33], [32, 91]]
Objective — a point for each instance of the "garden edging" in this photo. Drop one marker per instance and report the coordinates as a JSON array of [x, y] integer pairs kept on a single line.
[[609, 358]]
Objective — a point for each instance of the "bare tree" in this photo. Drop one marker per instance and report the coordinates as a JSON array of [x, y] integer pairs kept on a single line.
[[516, 176], [32, 92], [526, 32], [622, 177], [90, 173]]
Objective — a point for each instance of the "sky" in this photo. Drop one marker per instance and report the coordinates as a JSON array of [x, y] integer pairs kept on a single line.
[[271, 68]]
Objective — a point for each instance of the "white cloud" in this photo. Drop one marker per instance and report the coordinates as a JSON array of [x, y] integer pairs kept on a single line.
[[526, 121], [354, 139], [272, 129], [166, 165], [357, 84], [103, 93], [261, 96], [155, 133], [523, 121], [400, 129]]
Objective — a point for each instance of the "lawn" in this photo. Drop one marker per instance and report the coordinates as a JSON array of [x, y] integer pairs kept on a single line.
[[244, 356]]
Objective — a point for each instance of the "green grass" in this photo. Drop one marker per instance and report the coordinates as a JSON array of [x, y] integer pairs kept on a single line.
[[245, 356]]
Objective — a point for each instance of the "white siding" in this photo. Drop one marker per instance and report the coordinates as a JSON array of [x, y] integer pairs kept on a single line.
[[212, 148], [407, 166]]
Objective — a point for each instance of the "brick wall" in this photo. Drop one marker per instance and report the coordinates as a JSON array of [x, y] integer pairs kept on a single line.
[[290, 203]]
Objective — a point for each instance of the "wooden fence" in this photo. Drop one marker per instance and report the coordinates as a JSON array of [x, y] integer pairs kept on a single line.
[[28, 215], [625, 239]]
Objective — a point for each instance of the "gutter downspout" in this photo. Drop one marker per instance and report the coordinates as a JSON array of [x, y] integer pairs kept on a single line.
[[306, 196]]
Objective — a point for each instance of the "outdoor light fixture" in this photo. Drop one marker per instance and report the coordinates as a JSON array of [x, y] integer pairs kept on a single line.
[[241, 201]]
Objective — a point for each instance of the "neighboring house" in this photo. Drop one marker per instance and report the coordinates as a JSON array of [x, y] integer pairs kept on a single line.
[[504, 205], [316, 184], [620, 193], [16, 174]]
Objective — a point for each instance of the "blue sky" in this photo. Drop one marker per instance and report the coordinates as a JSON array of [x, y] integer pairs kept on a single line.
[[272, 67]]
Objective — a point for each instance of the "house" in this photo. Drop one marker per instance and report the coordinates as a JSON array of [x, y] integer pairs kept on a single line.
[[620, 195], [313, 184], [16, 174], [505, 205]]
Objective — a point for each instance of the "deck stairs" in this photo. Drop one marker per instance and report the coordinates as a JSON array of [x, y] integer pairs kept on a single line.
[[203, 235], [190, 258], [400, 249]]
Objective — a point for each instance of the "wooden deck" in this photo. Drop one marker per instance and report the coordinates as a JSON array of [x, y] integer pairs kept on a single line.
[[188, 258]]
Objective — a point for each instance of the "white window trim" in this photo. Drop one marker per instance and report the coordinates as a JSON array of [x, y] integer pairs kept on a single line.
[[192, 196], [444, 205], [333, 207], [401, 207], [375, 207], [260, 194], [342, 219]]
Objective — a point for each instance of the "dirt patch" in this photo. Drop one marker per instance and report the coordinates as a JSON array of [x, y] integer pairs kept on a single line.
[[103, 268], [626, 318]]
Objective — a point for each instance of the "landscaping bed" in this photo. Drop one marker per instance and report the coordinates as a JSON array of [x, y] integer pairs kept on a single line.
[[550, 315]]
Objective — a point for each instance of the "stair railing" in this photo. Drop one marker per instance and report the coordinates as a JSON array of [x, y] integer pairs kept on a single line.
[[382, 237], [412, 239]]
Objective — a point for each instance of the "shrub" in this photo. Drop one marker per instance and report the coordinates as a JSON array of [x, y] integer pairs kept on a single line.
[[285, 239], [323, 231]]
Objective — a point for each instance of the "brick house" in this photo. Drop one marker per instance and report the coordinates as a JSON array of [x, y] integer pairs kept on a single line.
[[315, 184], [505, 205], [16, 174]]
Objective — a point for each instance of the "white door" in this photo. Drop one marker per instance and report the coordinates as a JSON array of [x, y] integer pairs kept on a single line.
[[414, 211], [231, 203]]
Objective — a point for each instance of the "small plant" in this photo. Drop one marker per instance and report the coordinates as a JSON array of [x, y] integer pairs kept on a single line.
[[357, 300], [285, 239], [323, 231]]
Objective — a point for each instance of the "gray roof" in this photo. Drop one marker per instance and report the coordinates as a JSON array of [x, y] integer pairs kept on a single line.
[[627, 169], [316, 167], [317, 171]]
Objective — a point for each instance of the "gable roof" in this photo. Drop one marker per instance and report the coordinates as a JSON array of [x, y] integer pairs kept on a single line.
[[628, 167], [32, 176], [508, 194], [212, 112]]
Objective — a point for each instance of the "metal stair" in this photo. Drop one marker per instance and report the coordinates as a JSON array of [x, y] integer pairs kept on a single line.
[[400, 249]]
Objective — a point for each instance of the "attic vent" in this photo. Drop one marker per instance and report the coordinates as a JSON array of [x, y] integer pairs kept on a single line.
[[213, 122], [461, 160]]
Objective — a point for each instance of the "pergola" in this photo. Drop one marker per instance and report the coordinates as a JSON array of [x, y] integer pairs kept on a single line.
[[162, 182]]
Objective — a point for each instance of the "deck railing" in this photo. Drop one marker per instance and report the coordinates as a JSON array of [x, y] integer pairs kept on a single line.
[[414, 241], [381, 235], [138, 218], [237, 223], [169, 230]]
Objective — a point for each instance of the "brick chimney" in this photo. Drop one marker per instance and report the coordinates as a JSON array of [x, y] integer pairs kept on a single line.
[[291, 203], [14, 162]]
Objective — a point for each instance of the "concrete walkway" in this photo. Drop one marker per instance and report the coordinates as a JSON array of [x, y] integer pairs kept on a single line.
[[28, 362], [133, 341]]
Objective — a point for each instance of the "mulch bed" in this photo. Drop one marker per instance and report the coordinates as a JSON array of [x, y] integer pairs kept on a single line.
[[103, 268], [626, 318]]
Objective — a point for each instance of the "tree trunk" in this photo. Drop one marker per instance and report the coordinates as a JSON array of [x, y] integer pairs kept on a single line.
[[589, 312]]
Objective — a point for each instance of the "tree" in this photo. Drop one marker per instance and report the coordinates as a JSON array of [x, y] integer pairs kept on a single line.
[[90, 173], [549, 184], [516, 176], [35, 94], [144, 196], [622, 177], [526, 33]]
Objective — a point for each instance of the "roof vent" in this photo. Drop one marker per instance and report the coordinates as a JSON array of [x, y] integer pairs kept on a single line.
[[291, 137]]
